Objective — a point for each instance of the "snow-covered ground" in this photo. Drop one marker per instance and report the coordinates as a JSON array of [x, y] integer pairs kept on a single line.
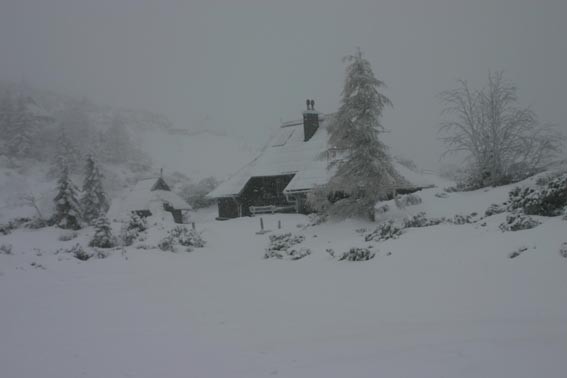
[[440, 301]]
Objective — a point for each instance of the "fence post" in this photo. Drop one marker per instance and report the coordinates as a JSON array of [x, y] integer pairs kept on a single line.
[[261, 224], [279, 224], [193, 225]]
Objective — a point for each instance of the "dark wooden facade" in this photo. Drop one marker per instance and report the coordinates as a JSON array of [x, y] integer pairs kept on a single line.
[[258, 191]]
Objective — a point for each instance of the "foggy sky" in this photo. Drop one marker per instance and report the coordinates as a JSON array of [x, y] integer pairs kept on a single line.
[[246, 65]]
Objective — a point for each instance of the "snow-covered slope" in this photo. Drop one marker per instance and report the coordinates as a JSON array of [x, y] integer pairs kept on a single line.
[[439, 301]]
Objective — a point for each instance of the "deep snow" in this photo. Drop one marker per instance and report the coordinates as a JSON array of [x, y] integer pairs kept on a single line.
[[447, 302]]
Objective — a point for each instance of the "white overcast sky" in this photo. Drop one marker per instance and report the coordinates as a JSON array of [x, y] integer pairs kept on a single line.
[[248, 64]]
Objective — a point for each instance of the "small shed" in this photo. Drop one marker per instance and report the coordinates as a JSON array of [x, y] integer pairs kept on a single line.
[[154, 194]]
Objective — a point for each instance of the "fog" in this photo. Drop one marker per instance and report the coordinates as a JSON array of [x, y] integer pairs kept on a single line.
[[244, 66]]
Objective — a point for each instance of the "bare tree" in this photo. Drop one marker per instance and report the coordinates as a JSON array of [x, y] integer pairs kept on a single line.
[[502, 141]]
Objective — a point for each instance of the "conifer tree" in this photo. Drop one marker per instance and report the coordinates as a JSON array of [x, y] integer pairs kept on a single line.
[[67, 206], [103, 234], [363, 169], [94, 201]]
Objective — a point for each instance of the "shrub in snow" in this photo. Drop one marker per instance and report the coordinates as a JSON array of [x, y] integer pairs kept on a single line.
[[13, 224], [181, 235], [66, 236], [563, 249], [316, 219], [517, 222], [132, 229], [384, 231], [357, 254], [78, 252], [6, 249], [517, 252], [441, 195], [494, 209], [408, 200], [421, 220], [547, 197], [463, 219], [281, 247], [103, 234], [382, 209]]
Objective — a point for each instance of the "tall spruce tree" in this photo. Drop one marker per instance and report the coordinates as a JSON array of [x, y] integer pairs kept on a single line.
[[67, 206], [94, 201], [364, 171]]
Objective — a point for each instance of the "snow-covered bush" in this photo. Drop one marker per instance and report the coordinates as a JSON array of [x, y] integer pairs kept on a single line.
[[316, 219], [357, 254], [78, 252], [181, 235], [517, 222], [384, 231], [494, 209], [132, 229], [5, 249], [66, 236], [12, 225], [517, 252], [382, 209], [463, 219], [421, 220], [548, 197], [103, 234], [281, 247], [563, 249], [408, 200]]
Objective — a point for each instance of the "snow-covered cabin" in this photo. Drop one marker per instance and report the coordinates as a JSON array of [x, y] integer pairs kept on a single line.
[[291, 164], [151, 196]]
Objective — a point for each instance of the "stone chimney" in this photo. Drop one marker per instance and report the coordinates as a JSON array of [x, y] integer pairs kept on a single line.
[[310, 120]]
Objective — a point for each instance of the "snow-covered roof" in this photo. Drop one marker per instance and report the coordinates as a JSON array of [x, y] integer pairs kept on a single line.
[[288, 153], [142, 197]]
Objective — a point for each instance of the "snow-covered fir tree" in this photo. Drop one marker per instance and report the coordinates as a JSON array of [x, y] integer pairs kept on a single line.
[[67, 206], [103, 234], [21, 131], [94, 200], [364, 171]]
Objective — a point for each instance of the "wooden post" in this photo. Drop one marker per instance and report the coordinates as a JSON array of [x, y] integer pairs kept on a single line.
[[279, 224], [261, 224], [193, 225]]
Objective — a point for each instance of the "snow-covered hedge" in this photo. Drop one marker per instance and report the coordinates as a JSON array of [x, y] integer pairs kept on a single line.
[[282, 247], [563, 249], [356, 254], [518, 221], [181, 236], [385, 231], [547, 197]]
